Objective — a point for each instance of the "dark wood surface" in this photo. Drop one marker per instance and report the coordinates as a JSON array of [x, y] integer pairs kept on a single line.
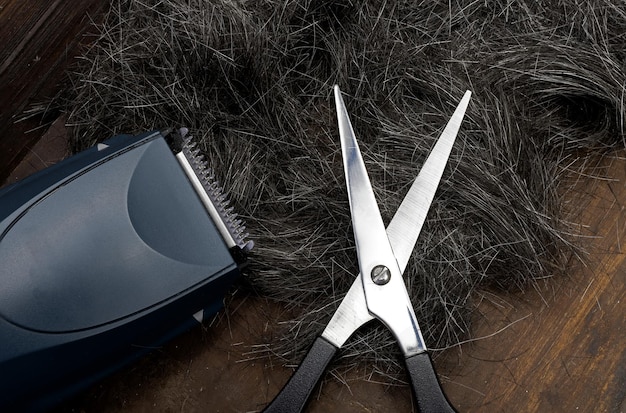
[[38, 39], [560, 347]]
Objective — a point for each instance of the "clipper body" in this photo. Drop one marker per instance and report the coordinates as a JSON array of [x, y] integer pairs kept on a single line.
[[103, 256]]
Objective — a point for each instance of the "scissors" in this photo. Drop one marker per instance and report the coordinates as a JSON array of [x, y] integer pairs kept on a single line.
[[378, 292]]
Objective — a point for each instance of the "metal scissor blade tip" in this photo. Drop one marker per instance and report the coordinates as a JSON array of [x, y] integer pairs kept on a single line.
[[346, 133], [454, 124], [462, 107], [342, 113], [337, 91], [337, 95]]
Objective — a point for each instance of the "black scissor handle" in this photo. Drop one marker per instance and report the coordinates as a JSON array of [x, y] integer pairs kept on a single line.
[[294, 396], [427, 390]]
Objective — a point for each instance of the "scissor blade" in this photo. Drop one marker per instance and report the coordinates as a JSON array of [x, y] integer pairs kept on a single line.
[[351, 314], [370, 235], [383, 287], [406, 224]]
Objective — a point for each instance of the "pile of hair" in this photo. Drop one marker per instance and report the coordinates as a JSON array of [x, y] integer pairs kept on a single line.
[[253, 82]]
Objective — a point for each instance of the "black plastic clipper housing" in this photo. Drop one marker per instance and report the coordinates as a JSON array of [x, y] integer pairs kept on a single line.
[[102, 256]]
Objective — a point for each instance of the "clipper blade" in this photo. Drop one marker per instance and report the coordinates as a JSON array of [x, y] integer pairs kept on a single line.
[[212, 195]]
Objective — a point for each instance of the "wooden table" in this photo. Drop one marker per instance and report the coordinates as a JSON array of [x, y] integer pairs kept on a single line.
[[559, 347], [38, 40]]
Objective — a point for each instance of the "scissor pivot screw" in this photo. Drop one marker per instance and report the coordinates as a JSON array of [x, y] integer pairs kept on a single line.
[[381, 275]]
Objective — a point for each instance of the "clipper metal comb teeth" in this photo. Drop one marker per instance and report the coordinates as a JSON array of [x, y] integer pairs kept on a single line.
[[212, 195]]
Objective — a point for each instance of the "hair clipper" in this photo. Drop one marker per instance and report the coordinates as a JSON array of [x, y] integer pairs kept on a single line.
[[104, 255]]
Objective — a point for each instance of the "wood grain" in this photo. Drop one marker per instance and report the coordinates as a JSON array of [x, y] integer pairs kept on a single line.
[[563, 347], [39, 39]]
